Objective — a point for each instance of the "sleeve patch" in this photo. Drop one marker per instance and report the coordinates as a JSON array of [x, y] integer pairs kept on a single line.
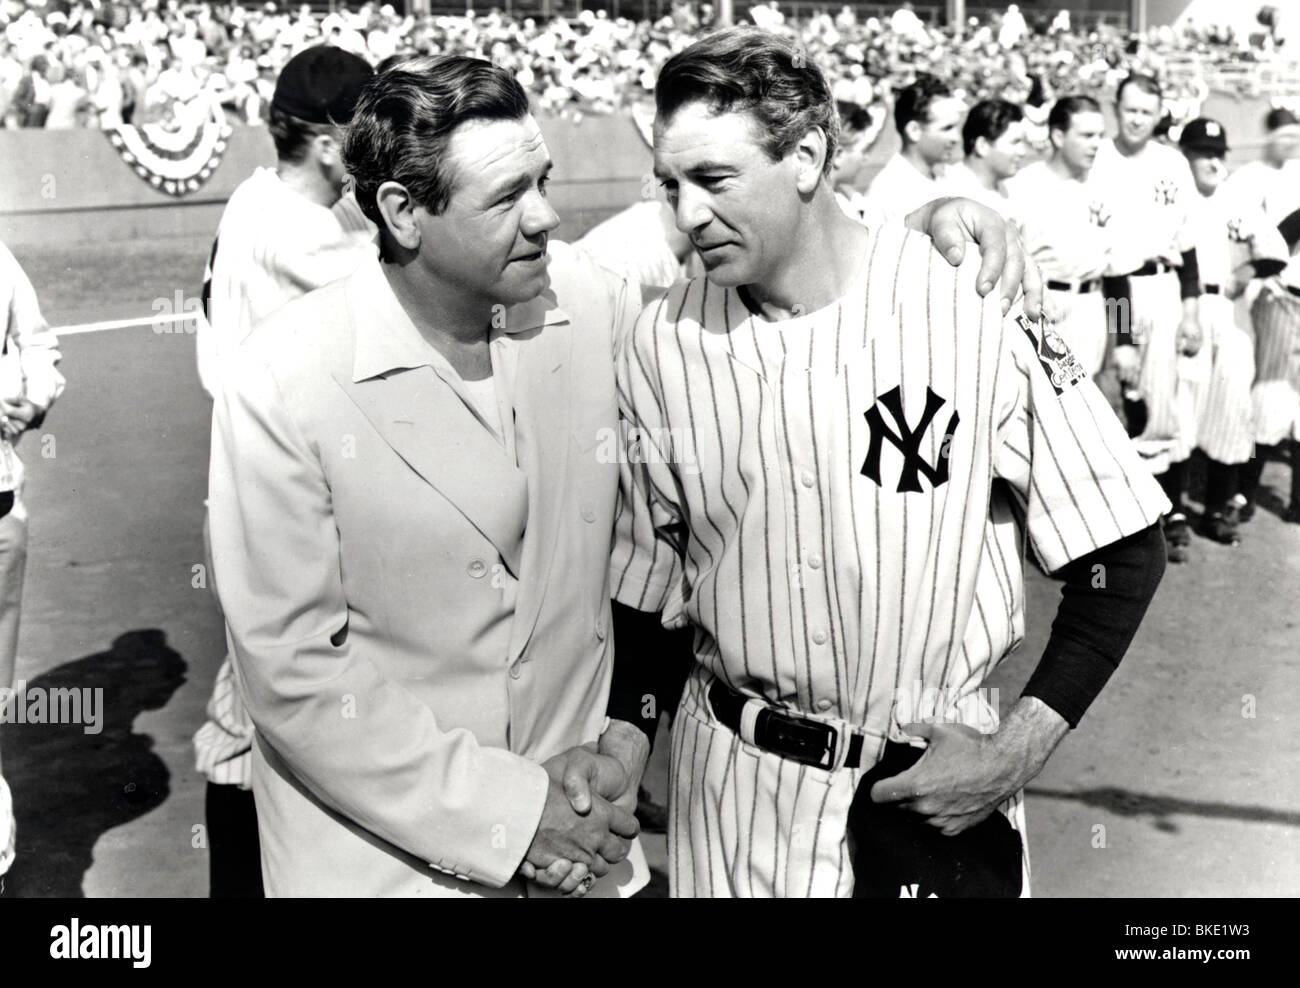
[[1060, 365]]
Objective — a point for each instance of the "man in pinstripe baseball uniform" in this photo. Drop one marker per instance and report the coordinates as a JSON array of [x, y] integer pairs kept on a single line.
[[1151, 189], [1235, 243], [835, 454], [1274, 183]]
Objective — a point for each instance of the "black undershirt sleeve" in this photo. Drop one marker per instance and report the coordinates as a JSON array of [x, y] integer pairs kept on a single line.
[[1266, 267], [1290, 230], [1104, 598], [1118, 292], [651, 664], [1189, 276]]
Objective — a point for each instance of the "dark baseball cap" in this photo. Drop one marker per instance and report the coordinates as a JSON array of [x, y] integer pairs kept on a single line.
[[1204, 135], [1279, 117], [321, 84]]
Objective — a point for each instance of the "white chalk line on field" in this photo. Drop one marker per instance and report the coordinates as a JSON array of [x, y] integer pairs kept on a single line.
[[99, 327]]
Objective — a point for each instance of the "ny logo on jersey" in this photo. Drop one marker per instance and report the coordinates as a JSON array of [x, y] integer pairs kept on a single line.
[[1098, 214], [1237, 231], [1166, 192], [907, 441]]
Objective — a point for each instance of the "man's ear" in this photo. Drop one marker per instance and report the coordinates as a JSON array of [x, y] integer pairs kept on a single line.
[[329, 152], [912, 130], [810, 160], [981, 147], [397, 208]]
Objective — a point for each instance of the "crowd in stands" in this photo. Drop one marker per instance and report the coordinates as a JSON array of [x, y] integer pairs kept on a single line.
[[101, 63]]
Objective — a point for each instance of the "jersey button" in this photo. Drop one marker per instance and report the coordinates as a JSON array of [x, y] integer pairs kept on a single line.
[[824, 705], [815, 560], [588, 514], [476, 568], [808, 478], [819, 637], [600, 632], [516, 669]]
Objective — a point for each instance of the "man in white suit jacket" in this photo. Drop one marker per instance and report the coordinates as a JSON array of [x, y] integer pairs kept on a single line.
[[411, 563]]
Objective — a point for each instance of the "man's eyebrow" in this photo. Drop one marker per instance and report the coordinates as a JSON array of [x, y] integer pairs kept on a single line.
[[710, 166]]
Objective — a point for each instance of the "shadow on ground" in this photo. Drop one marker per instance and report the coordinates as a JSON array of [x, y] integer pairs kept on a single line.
[[1125, 802], [70, 786]]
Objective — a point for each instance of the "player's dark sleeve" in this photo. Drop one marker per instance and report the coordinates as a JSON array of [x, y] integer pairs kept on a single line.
[[1290, 230], [1118, 292], [1189, 276], [1105, 596], [650, 668]]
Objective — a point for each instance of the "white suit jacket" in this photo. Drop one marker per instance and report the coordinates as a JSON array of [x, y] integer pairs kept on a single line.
[[417, 617]]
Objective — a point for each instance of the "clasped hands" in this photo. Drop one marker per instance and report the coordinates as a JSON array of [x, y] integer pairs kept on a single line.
[[588, 820]]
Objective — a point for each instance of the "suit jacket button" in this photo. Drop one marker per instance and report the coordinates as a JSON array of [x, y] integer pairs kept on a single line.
[[476, 568]]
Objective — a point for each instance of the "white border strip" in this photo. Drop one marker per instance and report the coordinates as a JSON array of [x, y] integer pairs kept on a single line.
[[96, 327]]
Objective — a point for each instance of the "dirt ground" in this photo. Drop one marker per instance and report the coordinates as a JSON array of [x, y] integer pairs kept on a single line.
[[1181, 781]]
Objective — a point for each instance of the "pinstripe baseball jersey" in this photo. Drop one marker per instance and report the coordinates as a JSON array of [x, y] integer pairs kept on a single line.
[[838, 504], [1229, 228], [1277, 192], [1150, 194], [1065, 222]]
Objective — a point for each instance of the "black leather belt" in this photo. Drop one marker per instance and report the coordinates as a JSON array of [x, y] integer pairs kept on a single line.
[[1212, 289], [1157, 266], [1081, 288], [799, 739]]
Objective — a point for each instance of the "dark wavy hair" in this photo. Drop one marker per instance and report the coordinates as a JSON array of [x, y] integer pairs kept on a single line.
[[741, 70], [1064, 109], [989, 119], [913, 102], [404, 120]]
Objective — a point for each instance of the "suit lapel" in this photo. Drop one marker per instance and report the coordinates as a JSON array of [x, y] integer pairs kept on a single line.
[[424, 420], [542, 400], [429, 427]]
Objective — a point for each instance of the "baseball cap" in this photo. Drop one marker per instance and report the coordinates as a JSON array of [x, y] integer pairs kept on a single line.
[[1280, 117], [1205, 135], [321, 84]]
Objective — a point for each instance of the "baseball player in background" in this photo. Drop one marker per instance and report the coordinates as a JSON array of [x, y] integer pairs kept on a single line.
[[1234, 244], [29, 384], [993, 139], [1150, 187], [285, 231], [835, 456], [928, 117], [860, 126], [1065, 224], [1274, 184]]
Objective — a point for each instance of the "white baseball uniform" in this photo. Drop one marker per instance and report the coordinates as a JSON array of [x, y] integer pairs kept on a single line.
[[1151, 193], [1065, 225], [960, 180], [838, 504], [897, 189]]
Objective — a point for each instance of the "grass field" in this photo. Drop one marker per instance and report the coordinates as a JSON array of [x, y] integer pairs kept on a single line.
[[1168, 787]]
